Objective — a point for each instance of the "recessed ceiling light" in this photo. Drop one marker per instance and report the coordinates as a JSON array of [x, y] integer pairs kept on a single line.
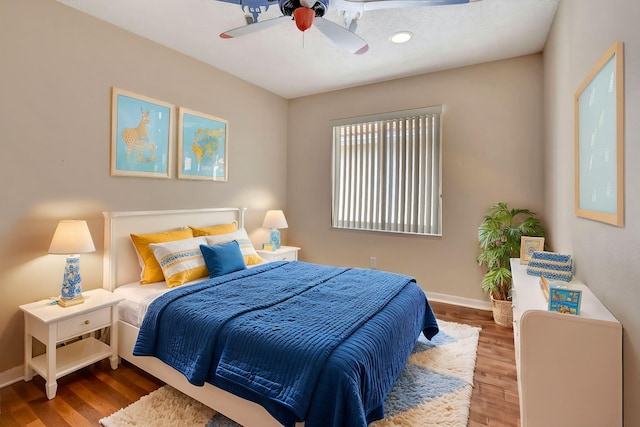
[[401, 37]]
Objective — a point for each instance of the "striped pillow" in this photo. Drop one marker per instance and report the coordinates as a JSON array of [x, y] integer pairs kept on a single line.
[[181, 260], [250, 255]]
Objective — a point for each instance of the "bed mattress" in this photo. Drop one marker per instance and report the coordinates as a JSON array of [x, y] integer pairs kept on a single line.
[[138, 298]]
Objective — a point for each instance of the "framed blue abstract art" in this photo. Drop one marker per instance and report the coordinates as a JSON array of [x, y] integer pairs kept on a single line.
[[599, 141]]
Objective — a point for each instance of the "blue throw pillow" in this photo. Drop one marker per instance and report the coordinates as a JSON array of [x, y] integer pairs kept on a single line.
[[223, 258]]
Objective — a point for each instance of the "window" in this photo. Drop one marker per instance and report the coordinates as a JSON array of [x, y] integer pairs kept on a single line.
[[387, 172]]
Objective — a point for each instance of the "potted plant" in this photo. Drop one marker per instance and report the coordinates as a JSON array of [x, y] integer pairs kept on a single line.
[[499, 237]]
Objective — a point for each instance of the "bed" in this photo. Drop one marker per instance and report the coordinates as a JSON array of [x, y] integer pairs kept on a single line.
[[349, 374]]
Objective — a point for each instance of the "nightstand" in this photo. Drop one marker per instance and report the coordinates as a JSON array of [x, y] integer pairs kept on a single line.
[[285, 253], [52, 324]]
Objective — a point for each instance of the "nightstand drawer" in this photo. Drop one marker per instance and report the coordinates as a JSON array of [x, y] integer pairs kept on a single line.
[[84, 323], [285, 253], [289, 256]]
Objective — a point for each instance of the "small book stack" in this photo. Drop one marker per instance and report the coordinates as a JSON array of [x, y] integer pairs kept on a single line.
[[544, 285], [561, 297]]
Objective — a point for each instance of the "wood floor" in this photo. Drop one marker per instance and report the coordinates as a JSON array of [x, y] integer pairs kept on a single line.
[[94, 392], [494, 401]]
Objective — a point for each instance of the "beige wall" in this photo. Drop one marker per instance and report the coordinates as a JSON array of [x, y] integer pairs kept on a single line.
[[57, 69], [492, 152], [607, 258], [58, 66]]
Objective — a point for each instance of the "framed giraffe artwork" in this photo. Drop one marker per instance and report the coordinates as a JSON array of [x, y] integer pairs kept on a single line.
[[142, 137], [202, 146]]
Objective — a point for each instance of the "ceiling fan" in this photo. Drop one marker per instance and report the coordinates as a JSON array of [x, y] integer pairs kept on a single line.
[[306, 13]]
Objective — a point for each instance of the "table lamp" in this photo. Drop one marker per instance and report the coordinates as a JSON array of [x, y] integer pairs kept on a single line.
[[274, 220], [72, 237]]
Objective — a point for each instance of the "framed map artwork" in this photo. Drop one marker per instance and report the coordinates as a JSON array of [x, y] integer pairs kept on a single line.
[[141, 135], [599, 141], [202, 146]]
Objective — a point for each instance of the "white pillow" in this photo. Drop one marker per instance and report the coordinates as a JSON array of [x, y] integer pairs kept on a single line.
[[181, 260], [250, 255]]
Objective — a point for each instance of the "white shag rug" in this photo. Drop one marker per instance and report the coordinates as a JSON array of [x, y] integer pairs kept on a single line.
[[433, 390]]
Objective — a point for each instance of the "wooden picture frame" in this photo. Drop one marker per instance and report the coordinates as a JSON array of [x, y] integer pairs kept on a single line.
[[599, 141], [529, 245], [141, 135], [202, 146]]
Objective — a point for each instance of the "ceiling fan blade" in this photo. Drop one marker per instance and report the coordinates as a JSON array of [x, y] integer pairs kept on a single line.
[[341, 36], [252, 28], [368, 5]]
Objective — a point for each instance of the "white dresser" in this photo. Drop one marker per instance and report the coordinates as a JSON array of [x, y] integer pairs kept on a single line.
[[569, 367]]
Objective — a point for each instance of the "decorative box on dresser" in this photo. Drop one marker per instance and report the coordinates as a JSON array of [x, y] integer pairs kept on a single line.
[[284, 253], [569, 366], [52, 324]]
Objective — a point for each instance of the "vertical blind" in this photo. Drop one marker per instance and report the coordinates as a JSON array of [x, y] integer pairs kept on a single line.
[[386, 172]]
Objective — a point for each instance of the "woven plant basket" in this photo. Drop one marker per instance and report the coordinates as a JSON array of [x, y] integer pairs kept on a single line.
[[502, 313]]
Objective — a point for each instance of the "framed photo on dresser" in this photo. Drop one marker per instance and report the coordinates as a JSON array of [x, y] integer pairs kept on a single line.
[[529, 245]]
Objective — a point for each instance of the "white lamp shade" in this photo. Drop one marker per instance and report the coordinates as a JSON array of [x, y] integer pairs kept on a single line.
[[71, 237], [275, 219]]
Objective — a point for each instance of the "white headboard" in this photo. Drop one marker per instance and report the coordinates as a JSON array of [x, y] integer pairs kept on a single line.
[[120, 259]]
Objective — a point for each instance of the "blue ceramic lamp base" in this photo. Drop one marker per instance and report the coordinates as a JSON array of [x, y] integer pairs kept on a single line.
[[274, 238], [71, 293]]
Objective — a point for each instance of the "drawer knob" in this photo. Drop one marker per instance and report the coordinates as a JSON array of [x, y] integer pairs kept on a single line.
[[86, 322]]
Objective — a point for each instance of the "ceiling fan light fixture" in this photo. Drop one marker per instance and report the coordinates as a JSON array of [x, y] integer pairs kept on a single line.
[[303, 17], [401, 37]]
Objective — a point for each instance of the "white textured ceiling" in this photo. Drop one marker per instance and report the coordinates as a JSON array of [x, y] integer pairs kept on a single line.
[[289, 63]]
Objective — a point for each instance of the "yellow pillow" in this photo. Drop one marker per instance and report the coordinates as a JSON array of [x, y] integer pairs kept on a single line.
[[214, 230], [151, 271]]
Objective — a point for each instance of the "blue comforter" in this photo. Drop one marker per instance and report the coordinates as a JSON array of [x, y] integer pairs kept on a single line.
[[308, 342]]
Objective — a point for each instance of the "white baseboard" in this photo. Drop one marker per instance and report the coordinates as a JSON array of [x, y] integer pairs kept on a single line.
[[11, 376], [465, 302]]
